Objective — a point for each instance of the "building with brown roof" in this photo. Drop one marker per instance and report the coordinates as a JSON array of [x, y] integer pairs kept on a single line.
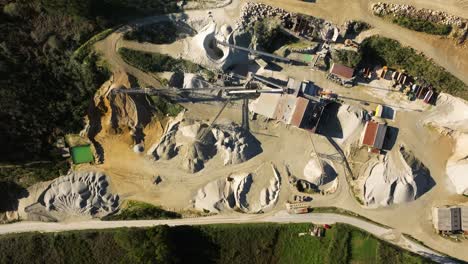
[[341, 71], [373, 135]]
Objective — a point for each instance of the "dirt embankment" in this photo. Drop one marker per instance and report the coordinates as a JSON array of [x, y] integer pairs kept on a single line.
[[131, 117]]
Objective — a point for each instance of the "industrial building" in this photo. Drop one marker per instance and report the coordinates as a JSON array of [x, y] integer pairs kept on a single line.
[[341, 74], [373, 135], [292, 108], [450, 219]]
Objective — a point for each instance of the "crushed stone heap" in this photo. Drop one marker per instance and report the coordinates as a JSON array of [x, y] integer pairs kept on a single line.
[[184, 138], [76, 194]]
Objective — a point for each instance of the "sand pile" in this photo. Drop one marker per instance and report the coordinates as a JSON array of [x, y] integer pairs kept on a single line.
[[243, 192], [450, 117], [235, 144], [196, 145], [76, 194], [351, 121], [319, 172], [269, 195], [399, 178]]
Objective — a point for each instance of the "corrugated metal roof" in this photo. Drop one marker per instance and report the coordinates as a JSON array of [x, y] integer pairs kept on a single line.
[[464, 217], [265, 104], [380, 137], [447, 218], [295, 85], [369, 133], [299, 111], [285, 108], [342, 71], [374, 134]]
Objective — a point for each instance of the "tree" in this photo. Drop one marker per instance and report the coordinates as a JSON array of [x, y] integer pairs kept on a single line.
[[349, 58], [147, 245]]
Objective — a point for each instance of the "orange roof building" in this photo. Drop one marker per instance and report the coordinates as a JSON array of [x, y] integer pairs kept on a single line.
[[374, 134]]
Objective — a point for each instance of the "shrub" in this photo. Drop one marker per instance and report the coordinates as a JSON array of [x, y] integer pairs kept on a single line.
[[157, 62], [349, 58], [159, 33], [422, 25], [135, 210], [166, 107]]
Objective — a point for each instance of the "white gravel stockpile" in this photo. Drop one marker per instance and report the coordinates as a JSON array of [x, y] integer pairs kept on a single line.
[[450, 116], [240, 192], [81, 193], [313, 172], [184, 138], [399, 178], [350, 118]]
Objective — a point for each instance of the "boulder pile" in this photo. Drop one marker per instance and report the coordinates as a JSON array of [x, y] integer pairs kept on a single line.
[[252, 12]]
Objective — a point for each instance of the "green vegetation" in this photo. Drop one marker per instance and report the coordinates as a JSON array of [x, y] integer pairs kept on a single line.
[[82, 154], [166, 107], [268, 36], [135, 210], [85, 49], [159, 33], [422, 25], [385, 51], [157, 62], [28, 174], [349, 58], [241, 243], [363, 247], [49, 74]]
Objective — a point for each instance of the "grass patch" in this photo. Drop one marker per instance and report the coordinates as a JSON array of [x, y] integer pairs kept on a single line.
[[29, 174], [166, 107], [157, 62], [135, 210], [385, 51], [422, 25], [363, 248]]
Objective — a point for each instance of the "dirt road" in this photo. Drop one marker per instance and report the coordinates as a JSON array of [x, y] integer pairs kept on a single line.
[[280, 217]]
